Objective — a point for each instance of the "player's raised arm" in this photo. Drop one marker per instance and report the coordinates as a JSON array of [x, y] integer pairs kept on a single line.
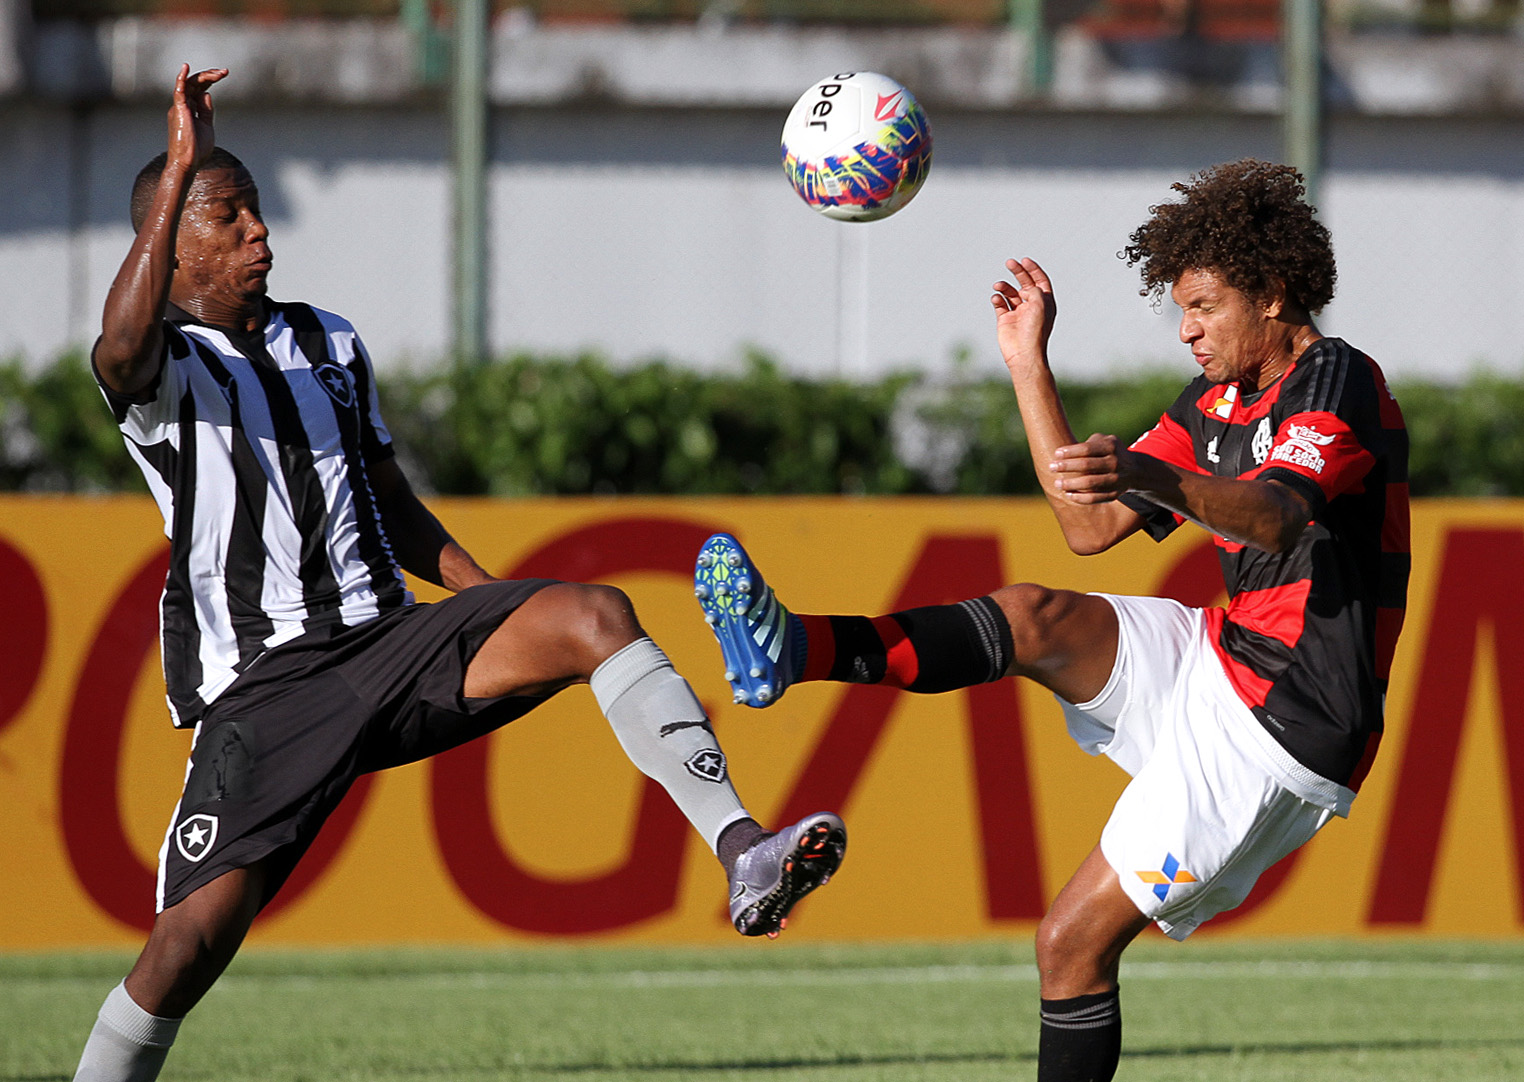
[[1025, 309], [131, 345]]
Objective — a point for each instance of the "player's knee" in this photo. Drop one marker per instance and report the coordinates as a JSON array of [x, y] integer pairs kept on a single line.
[[1038, 617], [597, 620], [1054, 944], [1066, 956]]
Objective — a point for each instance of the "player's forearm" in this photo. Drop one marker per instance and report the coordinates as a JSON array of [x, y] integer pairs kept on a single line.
[[1087, 528], [1262, 514], [131, 335], [423, 547]]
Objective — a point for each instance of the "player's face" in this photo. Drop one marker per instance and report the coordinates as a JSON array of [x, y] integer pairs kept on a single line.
[[223, 246], [1231, 336]]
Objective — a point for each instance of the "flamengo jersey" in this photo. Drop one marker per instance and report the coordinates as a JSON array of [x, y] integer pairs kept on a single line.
[[256, 447], [1308, 635]]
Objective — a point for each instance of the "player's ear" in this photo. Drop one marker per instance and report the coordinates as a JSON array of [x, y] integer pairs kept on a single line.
[[1273, 303]]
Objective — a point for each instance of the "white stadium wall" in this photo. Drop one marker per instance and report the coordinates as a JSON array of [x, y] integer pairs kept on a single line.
[[642, 232]]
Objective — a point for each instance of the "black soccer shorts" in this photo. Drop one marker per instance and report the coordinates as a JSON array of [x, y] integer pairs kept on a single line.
[[277, 751]]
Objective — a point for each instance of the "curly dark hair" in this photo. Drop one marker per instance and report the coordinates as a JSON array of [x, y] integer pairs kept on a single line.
[[1247, 221]]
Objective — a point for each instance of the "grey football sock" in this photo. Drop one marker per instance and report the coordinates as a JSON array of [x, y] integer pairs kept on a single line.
[[663, 729], [127, 1044]]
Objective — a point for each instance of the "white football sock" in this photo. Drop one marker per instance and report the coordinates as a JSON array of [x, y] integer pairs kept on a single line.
[[663, 729], [127, 1044]]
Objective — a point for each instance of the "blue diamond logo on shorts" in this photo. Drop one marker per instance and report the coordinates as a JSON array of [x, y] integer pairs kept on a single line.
[[708, 764], [195, 836], [1167, 877]]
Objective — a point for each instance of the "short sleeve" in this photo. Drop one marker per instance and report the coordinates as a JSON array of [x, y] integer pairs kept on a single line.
[[1319, 454], [1169, 442], [143, 414], [375, 439]]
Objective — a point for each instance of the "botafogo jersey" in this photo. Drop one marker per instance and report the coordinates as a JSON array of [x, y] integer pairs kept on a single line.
[[1308, 635], [257, 448]]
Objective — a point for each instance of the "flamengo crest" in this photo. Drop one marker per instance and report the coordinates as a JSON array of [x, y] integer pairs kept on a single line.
[[1263, 438]]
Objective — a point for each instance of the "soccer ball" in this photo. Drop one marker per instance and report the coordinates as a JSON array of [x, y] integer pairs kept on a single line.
[[857, 146]]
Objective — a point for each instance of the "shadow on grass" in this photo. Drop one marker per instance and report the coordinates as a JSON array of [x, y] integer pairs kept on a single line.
[[907, 1060]]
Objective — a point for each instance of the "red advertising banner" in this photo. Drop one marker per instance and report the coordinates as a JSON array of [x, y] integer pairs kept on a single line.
[[545, 830]]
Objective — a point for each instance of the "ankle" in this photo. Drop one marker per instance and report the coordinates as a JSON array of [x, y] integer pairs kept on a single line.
[[736, 839]]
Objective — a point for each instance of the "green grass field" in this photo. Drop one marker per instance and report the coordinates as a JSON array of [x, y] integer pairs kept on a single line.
[[1384, 1011]]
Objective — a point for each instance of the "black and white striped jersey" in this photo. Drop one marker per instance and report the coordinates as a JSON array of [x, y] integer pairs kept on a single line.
[[256, 447]]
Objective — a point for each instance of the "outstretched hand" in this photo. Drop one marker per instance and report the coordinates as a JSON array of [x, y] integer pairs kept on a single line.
[[1024, 312], [191, 135]]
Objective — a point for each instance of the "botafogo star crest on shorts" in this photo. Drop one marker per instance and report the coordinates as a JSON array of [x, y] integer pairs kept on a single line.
[[195, 836]]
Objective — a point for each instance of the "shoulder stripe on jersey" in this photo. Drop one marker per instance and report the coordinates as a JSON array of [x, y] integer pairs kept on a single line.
[[1331, 368]]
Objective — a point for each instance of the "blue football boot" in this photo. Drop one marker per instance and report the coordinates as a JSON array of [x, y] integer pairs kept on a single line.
[[761, 641]]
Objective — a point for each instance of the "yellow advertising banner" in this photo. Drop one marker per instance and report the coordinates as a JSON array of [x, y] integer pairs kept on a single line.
[[967, 811]]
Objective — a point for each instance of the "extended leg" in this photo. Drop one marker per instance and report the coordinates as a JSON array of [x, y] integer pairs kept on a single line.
[[1063, 640], [570, 633], [190, 945]]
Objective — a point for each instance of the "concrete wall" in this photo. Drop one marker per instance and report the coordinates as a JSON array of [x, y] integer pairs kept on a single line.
[[642, 222]]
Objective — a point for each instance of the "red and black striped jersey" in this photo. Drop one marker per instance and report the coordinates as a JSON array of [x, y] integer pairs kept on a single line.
[[1308, 635]]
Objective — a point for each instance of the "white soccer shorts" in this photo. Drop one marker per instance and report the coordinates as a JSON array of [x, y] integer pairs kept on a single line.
[[1214, 800]]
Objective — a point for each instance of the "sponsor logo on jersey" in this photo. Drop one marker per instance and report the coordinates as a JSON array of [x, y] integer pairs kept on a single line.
[[1301, 448], [195, 836], [1263, 438], [707, 764], [336, 381], [1168, 876], [1223, 407]]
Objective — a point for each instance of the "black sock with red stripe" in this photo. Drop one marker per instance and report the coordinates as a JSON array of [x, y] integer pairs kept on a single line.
[[928, 650], [1081, 1038]]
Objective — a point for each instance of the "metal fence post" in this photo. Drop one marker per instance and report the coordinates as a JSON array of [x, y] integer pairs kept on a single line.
[[1029, 18], [1302, 104], [469, 109]]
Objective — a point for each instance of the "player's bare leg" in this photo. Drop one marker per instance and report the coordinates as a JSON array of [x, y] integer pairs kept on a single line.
[[1079, 953], [571, 633], [190, 945], [1063, 640]]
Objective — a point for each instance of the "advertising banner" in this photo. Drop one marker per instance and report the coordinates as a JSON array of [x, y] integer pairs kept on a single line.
[[967, 811]]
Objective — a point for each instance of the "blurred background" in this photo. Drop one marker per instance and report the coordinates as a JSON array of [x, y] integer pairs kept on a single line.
[[632, 204]]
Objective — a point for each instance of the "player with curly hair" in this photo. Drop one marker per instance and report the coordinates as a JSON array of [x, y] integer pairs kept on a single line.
[[1244, 728]]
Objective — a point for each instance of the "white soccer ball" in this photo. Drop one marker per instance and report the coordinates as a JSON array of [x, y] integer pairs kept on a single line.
[[857, 146]]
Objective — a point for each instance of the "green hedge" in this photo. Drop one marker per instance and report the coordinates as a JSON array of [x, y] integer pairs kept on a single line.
[[535, 425]]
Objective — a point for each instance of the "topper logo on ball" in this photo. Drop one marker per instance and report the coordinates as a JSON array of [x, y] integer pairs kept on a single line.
[[856, 146]]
